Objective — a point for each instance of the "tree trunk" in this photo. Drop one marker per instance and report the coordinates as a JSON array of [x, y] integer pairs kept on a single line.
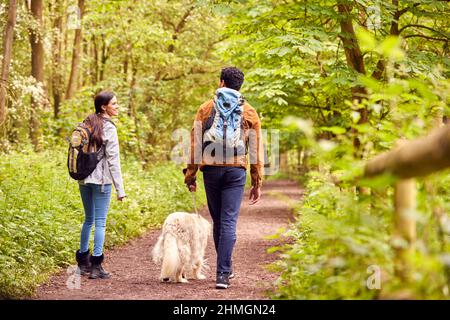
[[126, 61], [355, 60], [132, 107], [76, 56], [284, 164], [352, 52], [103, 58], [57, 78], [381, 65], [86, 75], [37, 69], [94, 61], [7, 53]]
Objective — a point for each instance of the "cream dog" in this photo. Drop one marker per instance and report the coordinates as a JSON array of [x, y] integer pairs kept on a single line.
[[180, 249]]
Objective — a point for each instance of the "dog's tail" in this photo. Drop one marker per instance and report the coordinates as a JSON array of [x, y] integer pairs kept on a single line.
[[157, 252], [170, 258]]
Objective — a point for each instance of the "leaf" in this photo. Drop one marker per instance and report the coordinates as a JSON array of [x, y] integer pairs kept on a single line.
[[306, 126], [326, 145], [370, 82], [390, 48], [274, 249], [366, 39], [379, 182], [334, 129], [356, 116]]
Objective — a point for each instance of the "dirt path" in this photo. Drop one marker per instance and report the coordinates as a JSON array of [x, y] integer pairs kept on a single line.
[[135, 276]]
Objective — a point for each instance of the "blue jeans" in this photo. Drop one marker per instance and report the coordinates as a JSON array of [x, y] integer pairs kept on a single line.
[[224, 188], [96, 205]]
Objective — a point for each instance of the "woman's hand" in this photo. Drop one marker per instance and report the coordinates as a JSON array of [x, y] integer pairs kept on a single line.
[[120, 198]]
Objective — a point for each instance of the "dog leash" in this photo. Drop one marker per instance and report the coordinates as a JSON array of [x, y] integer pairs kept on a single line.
[[194, 201]]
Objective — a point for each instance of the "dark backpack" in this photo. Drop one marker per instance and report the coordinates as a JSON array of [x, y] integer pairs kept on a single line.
[[83, 155]]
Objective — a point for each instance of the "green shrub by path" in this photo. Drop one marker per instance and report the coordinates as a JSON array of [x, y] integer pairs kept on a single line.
[[41, 213], [333, 246], [341, 240]]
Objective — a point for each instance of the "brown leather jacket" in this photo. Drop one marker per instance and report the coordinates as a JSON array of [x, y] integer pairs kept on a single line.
[[252, 138]]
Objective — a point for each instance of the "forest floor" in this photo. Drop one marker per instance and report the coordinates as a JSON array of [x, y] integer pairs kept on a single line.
[[135, 276]]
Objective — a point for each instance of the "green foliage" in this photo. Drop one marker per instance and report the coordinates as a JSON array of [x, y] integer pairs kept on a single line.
[[340, 233], [335, 241], [42, 213], [294, 58], [158, 58], [339, 236]]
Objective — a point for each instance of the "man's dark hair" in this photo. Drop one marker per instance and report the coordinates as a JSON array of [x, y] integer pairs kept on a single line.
[[233, 78]]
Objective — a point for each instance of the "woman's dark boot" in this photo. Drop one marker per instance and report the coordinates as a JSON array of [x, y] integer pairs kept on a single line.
[[83, 262], [97, 270]]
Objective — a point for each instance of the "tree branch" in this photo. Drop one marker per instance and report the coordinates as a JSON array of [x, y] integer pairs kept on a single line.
[[426, 37], [179, 27], [424, 27], [379, 69], [182, 22], [404, 10], [381, 65]]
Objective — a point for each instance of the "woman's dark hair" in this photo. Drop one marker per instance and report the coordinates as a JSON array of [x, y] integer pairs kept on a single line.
[[95, 120], [233, 78]]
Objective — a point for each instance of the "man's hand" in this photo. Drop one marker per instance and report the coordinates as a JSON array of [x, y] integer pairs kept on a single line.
[[255, 195], [120, 198], [192, 187], [190, 183]]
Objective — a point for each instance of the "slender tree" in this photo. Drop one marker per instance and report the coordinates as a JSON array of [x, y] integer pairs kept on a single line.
[[7, 53], [57, 79], [76, 55], [351, 48], [37, 67]]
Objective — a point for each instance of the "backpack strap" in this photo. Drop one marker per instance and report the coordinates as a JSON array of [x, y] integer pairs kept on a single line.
[[89, 135], [83, 142], [88, 132], [209, 122]]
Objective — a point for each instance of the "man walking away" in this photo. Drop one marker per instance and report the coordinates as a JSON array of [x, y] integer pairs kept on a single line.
[[226, 136]]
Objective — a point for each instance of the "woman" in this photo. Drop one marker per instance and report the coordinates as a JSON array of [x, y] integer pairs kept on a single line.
[[96, 188]]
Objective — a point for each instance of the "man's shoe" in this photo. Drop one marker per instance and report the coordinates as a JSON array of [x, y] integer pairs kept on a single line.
[[231, 276], [222, 281]]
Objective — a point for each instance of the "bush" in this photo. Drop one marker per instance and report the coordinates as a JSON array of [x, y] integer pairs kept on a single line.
[[341, 238]]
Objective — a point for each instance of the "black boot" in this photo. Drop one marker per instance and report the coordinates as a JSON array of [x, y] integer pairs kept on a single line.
[[97, 270], [84, 265]]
